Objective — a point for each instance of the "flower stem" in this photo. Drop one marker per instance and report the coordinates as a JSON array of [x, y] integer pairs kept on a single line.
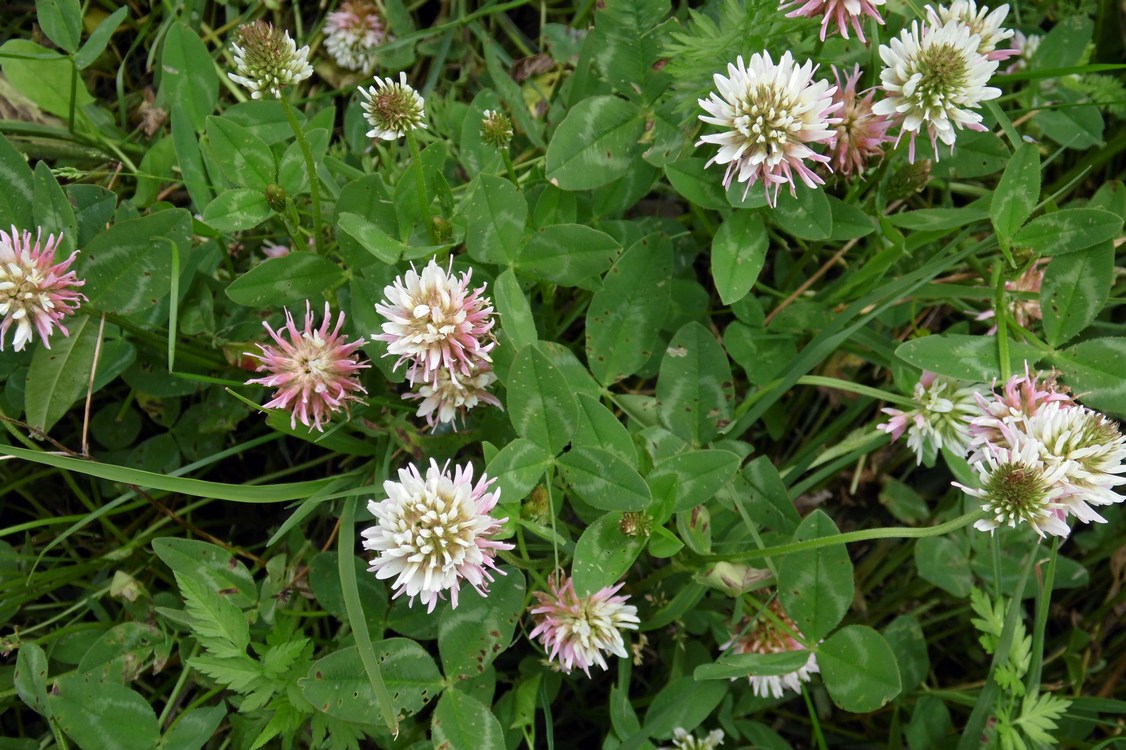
[[1043, 602], [310, 167], [510, 167], [889, 532], [420, 183]]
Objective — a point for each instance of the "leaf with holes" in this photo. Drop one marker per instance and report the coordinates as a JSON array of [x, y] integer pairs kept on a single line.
[[474, 633]]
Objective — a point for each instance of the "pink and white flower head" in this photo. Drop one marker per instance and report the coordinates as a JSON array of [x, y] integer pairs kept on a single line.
[[36, 293], [986, 25], [940, 420], [435, 322], [433, 532], [576, 630], [1026, 46], [934, 79], [352, 34], [772, 633], [844, 13], [860, 133], [314, 370], [771, 115], [275, 251], [446, 400], [392, 108], [1021, 397], [1019, 487], [682, 739], [1024, 310], [268, 59]]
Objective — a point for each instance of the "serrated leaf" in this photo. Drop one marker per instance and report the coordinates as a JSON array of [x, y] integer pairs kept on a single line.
[[213, 566], [237, 672], [220, 626]]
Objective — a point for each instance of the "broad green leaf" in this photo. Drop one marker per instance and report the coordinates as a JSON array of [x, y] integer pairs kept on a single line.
[[762, 355], [627, 44], [30, 678], [53, 211], [128, 267], [978, 154], [190, 159], [1068, 230], [624, 317], [699, 475], [338, 686], [194, 728], [1075, 124], [237, 210], [604, 481], [61, 21], [599, 428], [514, 310], [806, 214], [816, 586], [473, 634], [849, 222], [732, 666], [683, 702], [103, 716], [972, 358], [461, 722], [663, 543], [1094, 369], [381, 245], [909, 643], [1018, 191], [568, 254], [1074, 290], [188, 78], [769, 501], [694, 388], [293, 173], [517, 469], [122, 651], [209, 564], [603, 554], [99, 38], [738, 254], [942, 562], [17, 197], [243, 157], [324, 580], [693, 181], [1065, 45], [44, 76], [281, 281], [595, 144], [859, 669], [496, 214], [540, 401]]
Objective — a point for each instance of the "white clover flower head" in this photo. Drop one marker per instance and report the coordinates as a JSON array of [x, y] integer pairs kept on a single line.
[[845, 13], [941, 420], [685, 740], [36, 293], [496, 129], [267, 59], [392, 108], [435, 322], [432, 533], [1018, 487], [1021, 397], [1086, 447], [934, 79], [772, 635], [983, 23], [576, 630], [771, 115], [447, 399], [353, 32]]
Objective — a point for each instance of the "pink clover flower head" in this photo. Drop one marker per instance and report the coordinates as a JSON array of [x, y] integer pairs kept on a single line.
[[771, 115], [576, 630], [392, 108], [446, 399], [1026, 46], [685, 740], [986, 25], [1021, 396], [940, 420], [36, 293], [860, 133], [772, 633], [275, 251], [268, 59], [934, 79], [352, 34], [433, 532], [314, 369], [435, 322], [844, 12], [1018, 487], [1024, 311]]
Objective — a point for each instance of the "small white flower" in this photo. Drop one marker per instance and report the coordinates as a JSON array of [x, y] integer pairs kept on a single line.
[[934, 78], [986, 25], [685, 740], [392, 109], [1018, 487], [771, 115], [941, 420], [448, 398], [268, 59]]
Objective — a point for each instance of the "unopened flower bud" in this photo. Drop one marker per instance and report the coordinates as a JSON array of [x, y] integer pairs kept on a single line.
[[496, 129], [275, 196]]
